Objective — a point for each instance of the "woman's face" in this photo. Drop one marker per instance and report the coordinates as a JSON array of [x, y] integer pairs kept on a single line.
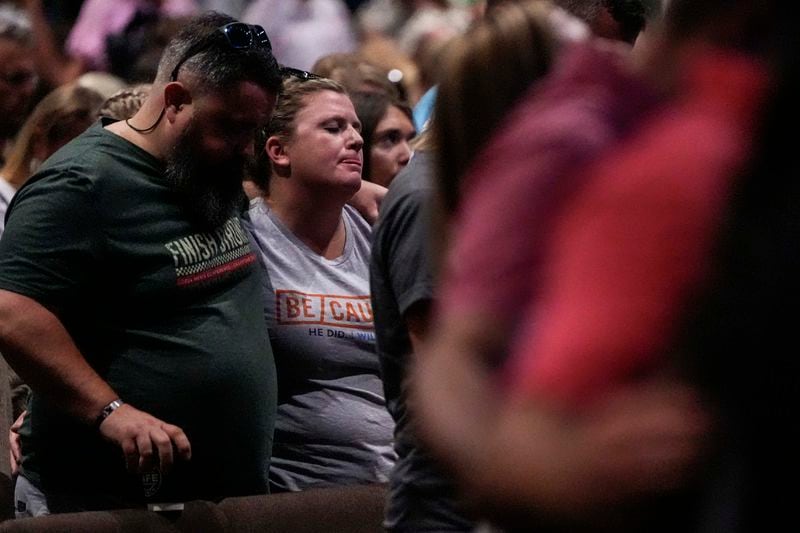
[[390, 151], [325, 147]]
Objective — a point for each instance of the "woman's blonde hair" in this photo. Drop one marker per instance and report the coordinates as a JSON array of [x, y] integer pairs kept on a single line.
[[126, 102], [61, 115]]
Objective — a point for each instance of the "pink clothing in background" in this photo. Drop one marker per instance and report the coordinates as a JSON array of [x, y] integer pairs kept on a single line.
[[635, 244], [100, 18], [517, 183]]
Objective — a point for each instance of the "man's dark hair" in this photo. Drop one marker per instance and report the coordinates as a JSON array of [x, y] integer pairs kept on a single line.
[[218, 65]]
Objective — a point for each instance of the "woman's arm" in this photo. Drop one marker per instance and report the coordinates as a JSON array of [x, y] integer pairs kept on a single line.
[[527, 458], [367, 200]]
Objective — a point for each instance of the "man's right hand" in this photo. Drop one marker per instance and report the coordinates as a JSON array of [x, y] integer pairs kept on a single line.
[[38, 347], [145, 440]]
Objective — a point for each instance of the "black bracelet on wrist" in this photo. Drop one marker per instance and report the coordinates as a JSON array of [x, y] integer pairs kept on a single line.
[[107, 410]]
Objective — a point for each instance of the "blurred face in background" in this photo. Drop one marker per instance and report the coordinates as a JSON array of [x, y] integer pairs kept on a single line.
[[390, 146], [17, 84]]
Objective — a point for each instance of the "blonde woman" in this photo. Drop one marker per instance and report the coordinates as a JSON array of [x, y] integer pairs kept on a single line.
[[332, 426]]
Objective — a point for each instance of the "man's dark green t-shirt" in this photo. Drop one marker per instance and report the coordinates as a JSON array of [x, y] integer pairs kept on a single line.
[[169, 315]]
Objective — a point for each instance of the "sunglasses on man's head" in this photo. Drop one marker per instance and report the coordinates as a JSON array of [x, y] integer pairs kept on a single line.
[[238, 35]]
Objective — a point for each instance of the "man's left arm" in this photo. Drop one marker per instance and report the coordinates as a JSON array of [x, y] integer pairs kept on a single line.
[[515, 456]]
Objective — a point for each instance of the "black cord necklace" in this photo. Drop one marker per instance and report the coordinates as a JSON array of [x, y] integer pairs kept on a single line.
[[151, 128]]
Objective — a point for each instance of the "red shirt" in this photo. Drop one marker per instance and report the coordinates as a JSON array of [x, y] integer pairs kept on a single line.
[[634, 245]]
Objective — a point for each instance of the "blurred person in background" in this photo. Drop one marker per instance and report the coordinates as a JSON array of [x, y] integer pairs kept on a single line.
[[233, 8], [99, 19], [615, 20], [87, 45], [406, 36], [632, 254], [356, 74], [102, 83], [57, 119], [387, 130], [18, 76], [133, 53], [302, 31], [403, 21]]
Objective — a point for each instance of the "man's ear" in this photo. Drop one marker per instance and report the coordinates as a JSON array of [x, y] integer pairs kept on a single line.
[[176, 95], [277, 152]]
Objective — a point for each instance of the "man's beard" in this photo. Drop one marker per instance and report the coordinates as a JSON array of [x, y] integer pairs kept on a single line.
[[210, 191]]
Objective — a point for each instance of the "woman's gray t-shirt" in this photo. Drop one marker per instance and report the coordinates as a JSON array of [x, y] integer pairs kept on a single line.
[[332, 426]]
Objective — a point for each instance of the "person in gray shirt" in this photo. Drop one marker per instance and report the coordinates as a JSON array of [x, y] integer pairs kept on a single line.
[[421, 498], [332, 426]]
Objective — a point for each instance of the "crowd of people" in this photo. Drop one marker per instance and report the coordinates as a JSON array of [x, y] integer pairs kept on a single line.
[[529, 264]]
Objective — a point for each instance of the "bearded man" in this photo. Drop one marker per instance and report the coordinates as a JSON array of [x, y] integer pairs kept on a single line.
[[130, 298]]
